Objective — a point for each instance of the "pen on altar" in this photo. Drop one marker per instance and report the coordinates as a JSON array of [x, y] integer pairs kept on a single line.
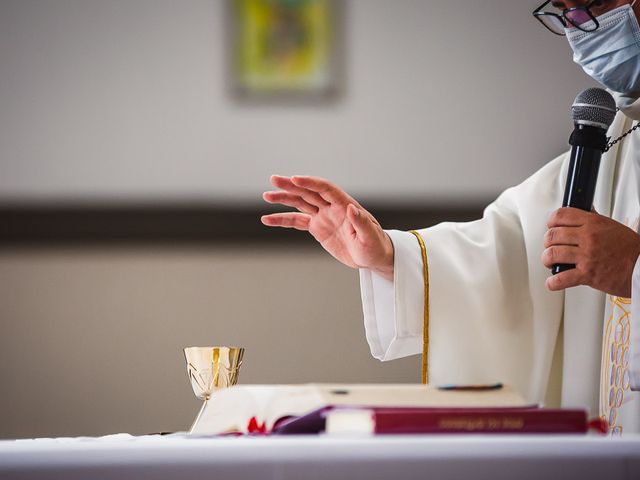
[[471, 388]]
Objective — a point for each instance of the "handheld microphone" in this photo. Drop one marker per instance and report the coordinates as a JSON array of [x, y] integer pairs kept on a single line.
[[593, 111]]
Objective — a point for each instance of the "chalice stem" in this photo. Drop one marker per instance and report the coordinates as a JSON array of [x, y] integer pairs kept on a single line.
[[195, 422]]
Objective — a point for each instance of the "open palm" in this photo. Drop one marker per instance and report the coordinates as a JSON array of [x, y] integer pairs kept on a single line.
[[338, 222]]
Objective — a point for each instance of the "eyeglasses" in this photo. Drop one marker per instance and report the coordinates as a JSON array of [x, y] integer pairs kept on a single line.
[[581, 17]]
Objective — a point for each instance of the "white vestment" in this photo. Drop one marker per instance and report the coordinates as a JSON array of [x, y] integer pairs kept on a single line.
[[491, 318]]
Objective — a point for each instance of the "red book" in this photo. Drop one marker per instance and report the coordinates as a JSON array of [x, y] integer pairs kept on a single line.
[[391, 420]]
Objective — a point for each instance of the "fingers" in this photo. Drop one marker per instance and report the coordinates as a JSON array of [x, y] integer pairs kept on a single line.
[[561, 236], [299, 221], [308, 196], [562, 280], [362, 224], [560, 254], [327, 190], [568, 217], [291, 200]]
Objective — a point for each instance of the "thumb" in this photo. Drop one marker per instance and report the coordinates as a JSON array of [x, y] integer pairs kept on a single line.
[[361, 222]]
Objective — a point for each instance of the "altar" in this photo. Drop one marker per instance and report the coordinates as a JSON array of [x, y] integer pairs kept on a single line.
[[178, 456]]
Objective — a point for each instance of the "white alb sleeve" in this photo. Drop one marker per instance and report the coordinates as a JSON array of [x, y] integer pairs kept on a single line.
[[394, 311], [634, 343]]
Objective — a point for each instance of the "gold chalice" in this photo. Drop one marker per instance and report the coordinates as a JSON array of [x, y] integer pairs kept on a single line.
[[211, 368]]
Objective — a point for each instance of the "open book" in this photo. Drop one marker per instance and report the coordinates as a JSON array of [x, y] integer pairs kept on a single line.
[[251, 408]]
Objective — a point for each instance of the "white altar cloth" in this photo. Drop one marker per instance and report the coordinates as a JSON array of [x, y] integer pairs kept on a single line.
[[301, 457]]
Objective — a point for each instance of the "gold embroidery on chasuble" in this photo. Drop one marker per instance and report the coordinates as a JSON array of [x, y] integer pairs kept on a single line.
[[614, 372]]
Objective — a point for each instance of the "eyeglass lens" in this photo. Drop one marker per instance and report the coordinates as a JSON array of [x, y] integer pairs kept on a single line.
[[553, 23], [579, 18]]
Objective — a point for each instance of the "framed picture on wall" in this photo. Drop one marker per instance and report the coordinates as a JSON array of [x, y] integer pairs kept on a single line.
[[284, 48]]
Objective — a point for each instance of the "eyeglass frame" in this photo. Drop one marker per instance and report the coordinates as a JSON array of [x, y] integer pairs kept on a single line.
[[563, 16]]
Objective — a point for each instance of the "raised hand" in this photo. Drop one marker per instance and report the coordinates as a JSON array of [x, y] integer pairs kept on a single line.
[[343, 228]]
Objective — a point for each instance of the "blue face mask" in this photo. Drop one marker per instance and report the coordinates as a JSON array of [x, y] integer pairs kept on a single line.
[[610, 54]]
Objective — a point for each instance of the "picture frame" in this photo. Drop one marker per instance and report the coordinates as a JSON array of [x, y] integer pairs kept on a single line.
[[285, 49]]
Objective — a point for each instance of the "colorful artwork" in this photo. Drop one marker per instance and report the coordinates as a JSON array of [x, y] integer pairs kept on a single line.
[[283, 46]]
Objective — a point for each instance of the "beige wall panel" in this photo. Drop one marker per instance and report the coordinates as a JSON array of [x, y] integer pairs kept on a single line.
[[91, 339]]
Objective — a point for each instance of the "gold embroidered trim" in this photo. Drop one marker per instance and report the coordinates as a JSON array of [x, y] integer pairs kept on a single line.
[[425, 334]]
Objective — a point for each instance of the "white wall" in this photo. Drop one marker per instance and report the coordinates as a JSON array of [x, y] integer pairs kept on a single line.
[[127, 99]]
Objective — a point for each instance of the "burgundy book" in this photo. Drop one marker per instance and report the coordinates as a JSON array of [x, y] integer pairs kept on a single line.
[[409, 420]]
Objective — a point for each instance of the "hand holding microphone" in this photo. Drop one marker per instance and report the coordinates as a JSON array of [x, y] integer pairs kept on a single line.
[[593, 112], [582, 247]]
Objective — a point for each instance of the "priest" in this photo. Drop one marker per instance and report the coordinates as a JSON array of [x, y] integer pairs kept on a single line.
[[477, 299]]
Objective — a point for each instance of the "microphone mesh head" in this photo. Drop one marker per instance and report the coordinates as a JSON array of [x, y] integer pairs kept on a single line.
[[594, 107]]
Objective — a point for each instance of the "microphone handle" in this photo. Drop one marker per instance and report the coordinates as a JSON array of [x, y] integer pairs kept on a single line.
[[581, 185]]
